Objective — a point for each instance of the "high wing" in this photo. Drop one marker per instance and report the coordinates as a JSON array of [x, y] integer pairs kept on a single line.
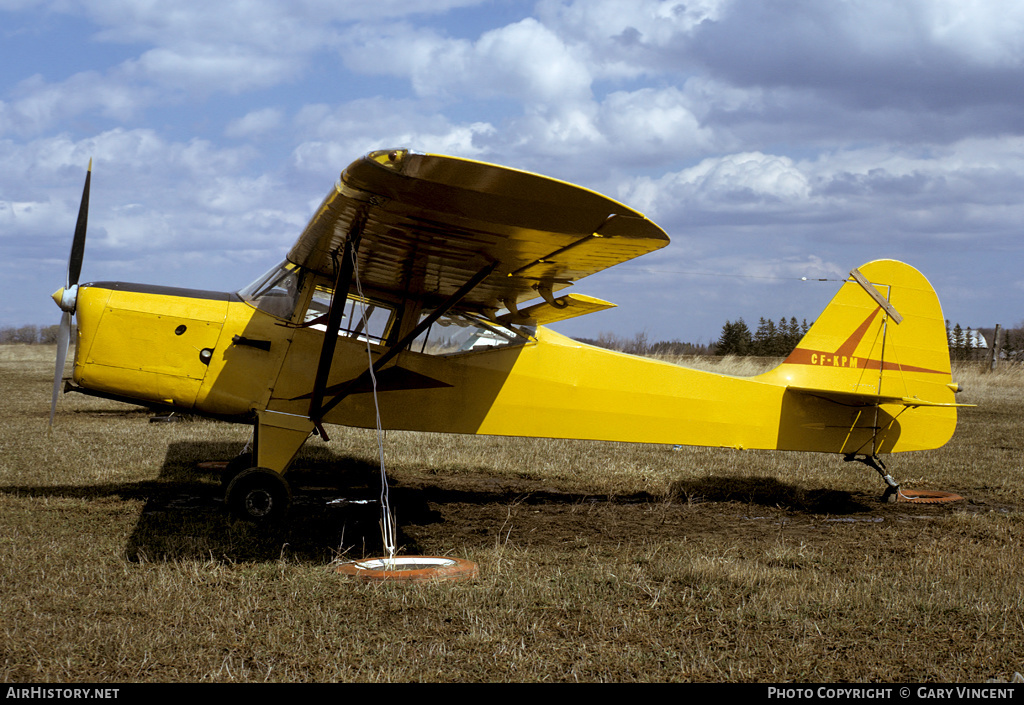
[[426, 224]]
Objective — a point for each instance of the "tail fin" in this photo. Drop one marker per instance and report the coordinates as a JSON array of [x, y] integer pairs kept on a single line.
[[881, 343]]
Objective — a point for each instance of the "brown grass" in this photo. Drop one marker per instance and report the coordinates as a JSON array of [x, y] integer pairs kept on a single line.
[[598, 561]]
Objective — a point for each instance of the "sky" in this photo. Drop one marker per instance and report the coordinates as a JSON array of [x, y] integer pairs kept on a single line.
[[777, 142]]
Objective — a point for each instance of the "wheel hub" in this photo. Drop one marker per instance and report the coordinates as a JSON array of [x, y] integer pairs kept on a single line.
[[259, 502]]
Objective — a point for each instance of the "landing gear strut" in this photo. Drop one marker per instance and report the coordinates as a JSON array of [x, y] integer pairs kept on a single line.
[[873, 461], [257, 491]]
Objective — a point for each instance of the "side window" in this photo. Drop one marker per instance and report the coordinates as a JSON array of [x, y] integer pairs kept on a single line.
[[363, 318], [460, 332], [319, 306]]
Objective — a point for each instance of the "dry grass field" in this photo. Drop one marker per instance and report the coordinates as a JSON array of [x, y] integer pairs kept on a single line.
[[598, 561]]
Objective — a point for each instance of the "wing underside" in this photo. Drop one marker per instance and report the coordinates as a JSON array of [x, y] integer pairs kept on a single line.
[[426, 224]]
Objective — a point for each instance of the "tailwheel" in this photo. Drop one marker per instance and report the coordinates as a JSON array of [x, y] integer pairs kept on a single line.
[[892, 487], [258, 495]]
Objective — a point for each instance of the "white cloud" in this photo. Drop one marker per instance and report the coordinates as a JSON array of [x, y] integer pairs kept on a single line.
[[334, 136], [199, 69], [38, 104], [18, 217], [148, 193], [651, 122], [524, 60], [616, 39], [273, 27], [273, 24], [529, 61], [989, 33], [733, 182], [255, 123]]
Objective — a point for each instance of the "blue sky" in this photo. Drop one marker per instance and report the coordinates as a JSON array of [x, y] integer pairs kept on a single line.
[[772, 140]]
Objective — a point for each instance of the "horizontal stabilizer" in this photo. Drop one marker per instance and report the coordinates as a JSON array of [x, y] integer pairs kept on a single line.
[[564, 307], [856, 399]]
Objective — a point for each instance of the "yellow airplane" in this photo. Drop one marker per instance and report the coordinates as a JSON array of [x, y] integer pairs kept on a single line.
[[419, 293]]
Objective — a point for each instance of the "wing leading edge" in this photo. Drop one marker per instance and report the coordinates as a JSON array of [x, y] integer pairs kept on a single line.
[[426, 224]]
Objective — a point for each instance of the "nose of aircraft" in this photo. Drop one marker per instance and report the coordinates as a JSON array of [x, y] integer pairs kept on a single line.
[[66, 298]]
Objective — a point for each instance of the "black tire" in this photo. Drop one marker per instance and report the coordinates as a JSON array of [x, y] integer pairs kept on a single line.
[[241, 462], [259, 496]]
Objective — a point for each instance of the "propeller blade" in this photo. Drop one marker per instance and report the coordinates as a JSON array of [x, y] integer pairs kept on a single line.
[[63, 340], [67, 302], [78, 244]]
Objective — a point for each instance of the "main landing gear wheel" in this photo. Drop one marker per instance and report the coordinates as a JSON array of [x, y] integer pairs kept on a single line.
[[259, 495], [238, 464]]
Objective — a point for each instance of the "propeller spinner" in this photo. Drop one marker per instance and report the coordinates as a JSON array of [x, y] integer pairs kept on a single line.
[[67, 297]]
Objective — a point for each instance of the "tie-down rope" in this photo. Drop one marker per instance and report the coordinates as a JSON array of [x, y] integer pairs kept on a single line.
[[387, 525]]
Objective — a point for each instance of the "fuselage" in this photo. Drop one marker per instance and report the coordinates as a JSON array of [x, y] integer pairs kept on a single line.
[[233, 356], [217, 354]]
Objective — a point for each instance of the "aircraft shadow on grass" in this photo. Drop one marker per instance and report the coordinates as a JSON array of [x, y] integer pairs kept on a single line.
[[335, 511], [770, 492], [336, 506]]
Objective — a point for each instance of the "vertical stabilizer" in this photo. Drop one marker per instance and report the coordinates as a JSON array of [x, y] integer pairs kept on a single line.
[[881, 343]]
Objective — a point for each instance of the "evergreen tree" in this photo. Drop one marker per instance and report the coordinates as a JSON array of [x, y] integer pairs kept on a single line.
[[771, 339], [735, 339], [793, 336], [958, 345], [765, 338]]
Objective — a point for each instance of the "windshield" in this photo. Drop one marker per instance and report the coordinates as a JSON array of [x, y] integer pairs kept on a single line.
[[276, 292]]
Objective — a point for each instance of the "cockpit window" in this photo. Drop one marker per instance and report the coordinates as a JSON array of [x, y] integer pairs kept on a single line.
[[364, 319], [464, 332], [277, 291]]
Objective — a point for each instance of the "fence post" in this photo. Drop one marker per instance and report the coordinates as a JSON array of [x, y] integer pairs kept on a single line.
[[993, 351]]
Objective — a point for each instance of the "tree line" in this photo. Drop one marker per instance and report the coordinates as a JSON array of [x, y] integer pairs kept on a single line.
[[779, 338], [964, 343], [640, 344], [771, 339], [29, 335]]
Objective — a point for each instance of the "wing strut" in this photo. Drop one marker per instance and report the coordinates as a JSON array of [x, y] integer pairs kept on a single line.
[[398, 347], [342, 282]]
